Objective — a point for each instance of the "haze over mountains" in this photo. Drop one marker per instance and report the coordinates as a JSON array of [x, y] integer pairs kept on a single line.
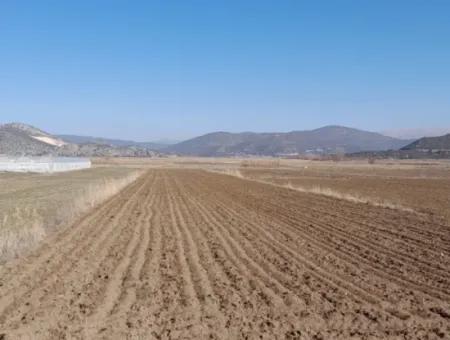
[[22, 139], [416, 133]]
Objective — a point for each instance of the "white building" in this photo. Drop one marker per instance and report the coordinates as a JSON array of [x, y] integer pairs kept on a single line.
[[43, 164]]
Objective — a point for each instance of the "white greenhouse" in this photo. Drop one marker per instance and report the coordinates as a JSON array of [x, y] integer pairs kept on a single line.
[[43, 164]]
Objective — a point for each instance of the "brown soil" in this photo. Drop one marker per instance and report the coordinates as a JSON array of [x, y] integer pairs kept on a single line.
[[183, 254], [425, 191]]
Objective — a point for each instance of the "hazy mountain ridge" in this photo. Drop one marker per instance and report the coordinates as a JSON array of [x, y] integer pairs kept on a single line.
[[325, 140], [75, 139]]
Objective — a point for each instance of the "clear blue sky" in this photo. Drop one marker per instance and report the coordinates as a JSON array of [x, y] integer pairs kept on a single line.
[[175, 69]]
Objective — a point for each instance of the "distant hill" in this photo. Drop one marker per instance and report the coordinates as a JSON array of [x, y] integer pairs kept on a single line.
[[22, 139], [423, 148], [325, 140], [114, 142], [19, 139], [441, 143]]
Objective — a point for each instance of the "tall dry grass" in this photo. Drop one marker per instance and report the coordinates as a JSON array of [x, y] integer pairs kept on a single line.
[[23, 228], [14, 241], [349, 197]]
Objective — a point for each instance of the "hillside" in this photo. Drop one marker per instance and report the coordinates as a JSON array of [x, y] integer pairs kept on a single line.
[[20, 139], [423, 148], [441, 143], [17, 139], [326, 140]]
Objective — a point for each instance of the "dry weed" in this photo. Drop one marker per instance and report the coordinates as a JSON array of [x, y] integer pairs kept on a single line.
[[349, 197], [14, 241]]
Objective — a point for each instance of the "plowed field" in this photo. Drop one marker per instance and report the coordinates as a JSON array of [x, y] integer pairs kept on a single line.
[[187, 254]]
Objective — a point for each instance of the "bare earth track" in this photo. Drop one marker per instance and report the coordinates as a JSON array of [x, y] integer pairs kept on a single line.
[[183, 254]]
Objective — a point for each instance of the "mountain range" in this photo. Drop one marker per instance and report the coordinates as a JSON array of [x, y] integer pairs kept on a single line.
[[325, 140], [23, 139]]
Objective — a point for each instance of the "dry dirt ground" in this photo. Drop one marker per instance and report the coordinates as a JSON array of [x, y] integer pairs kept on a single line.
[[189, 254], [423, 188]]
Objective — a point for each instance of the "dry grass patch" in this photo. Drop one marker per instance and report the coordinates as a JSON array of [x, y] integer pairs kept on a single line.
[[32, 206], [349, 197]]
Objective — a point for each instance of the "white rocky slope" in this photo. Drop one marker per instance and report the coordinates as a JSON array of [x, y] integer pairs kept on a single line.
[[20, 139]]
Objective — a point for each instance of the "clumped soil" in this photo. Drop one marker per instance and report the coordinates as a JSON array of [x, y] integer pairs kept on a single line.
[[187, 254], [425, 190]]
